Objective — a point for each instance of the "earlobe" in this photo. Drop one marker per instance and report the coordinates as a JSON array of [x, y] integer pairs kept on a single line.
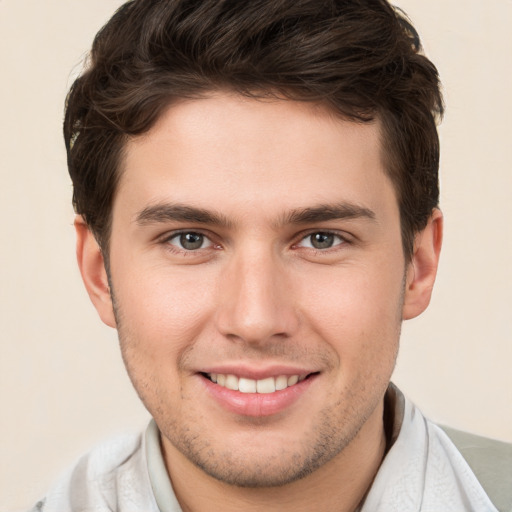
[[422, 269], [92, 267]]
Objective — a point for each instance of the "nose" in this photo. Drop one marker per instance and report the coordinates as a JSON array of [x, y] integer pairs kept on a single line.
[[256, 300]]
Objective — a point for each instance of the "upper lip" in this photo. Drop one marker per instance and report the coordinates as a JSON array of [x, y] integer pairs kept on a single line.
[[257, 373]]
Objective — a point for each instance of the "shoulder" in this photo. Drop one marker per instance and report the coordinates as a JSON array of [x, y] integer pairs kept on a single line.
[[113, 476], [491, 462]]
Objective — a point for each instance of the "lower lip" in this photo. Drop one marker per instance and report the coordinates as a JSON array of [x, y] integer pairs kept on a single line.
[[257, 404]]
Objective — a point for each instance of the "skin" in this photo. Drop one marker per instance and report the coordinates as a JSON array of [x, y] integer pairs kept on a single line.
[[256, 296]]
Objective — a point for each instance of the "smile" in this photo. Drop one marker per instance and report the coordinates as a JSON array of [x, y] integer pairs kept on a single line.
[[263, 386], [256, 393]]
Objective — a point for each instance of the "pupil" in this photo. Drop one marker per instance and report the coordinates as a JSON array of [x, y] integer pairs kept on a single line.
[[322, 240], [191, 241]]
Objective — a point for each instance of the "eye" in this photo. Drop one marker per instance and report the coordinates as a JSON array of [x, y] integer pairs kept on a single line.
[[321, 240], [190, 241]]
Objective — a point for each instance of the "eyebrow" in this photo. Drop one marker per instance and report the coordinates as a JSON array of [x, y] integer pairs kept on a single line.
[[325, 212], [161, 213]]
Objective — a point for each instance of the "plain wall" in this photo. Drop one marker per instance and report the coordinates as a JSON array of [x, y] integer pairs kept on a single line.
[[63, 387]]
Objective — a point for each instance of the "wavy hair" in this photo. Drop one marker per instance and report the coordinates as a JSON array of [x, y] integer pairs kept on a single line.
[[361, 58]]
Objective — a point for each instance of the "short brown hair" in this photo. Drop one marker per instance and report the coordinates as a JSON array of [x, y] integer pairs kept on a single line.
[[359, 57]]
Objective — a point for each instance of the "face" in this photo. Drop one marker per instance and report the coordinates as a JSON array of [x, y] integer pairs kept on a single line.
[[258, 281]]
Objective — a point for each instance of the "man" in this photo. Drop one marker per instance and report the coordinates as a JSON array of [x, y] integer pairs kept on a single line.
[[257, 198]]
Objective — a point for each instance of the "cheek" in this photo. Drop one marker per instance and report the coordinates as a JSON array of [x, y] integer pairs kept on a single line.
[[160, 317], [356, 310], [164, 310]]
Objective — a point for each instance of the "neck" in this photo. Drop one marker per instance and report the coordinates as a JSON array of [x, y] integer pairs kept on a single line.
[[339, 485]]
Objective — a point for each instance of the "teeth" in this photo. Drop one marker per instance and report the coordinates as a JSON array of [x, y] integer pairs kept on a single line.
[[247, 385], [293, 380], [231, 382], [268, 385], [281, 382]]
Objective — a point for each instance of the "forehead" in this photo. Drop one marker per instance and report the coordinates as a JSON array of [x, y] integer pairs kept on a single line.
[[234, 151]]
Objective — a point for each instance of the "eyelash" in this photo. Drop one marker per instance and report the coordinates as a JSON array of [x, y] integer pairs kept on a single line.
[[343, 240], [187, 252]]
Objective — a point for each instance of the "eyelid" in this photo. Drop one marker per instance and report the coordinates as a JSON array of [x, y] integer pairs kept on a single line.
[[168, 236], [344, 237], [164, 239]]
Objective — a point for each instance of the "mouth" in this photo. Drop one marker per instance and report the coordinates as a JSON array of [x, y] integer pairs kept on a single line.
[[267, 385], [253, 393]]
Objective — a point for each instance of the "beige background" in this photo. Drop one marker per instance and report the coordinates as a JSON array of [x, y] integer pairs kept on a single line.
[[62, 384]]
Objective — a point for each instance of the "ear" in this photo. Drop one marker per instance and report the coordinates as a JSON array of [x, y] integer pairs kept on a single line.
[[92, 268], [422, 270]]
